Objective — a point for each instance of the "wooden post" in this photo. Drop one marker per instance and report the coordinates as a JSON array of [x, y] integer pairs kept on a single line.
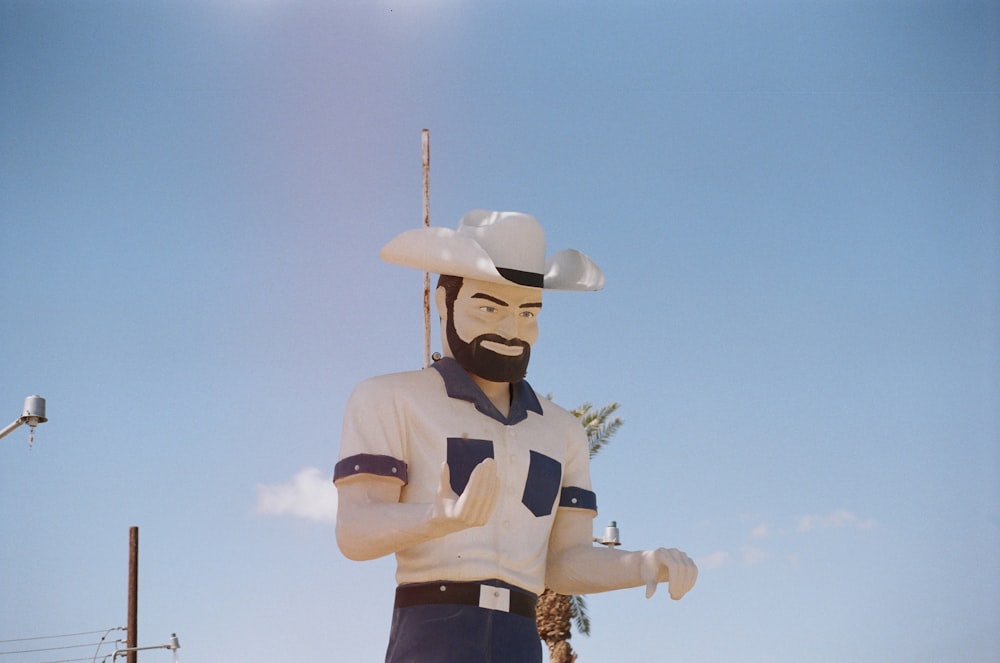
[[426, 145], [132, 639]]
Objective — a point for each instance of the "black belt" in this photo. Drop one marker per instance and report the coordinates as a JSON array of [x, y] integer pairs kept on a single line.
[[516, 601]]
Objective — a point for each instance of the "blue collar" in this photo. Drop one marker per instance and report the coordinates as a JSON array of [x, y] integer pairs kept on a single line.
[[459, 385]]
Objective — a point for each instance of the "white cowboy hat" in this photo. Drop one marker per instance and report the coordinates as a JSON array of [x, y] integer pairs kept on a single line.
[[498, 247]]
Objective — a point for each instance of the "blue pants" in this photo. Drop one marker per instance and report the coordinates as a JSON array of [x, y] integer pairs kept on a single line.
[[461, 634]]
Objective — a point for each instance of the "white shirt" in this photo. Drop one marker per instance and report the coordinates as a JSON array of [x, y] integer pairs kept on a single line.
[[405, 425]]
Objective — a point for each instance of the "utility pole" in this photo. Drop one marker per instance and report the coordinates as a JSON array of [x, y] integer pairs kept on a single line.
[[425, 142], [132, 639]]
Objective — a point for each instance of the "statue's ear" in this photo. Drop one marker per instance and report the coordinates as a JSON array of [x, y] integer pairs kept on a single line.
[[439, 298]]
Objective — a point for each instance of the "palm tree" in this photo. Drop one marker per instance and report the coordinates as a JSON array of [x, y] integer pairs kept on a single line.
[[555, 611]]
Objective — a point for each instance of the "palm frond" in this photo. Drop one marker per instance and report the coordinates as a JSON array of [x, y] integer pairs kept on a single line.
[[599, 424], [578, 608]]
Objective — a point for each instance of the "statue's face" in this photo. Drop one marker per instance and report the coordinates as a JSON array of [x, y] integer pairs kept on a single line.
[[491, 327]]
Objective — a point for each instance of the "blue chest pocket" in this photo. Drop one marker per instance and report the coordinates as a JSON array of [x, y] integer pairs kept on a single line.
[[542, 487], [463, 456]]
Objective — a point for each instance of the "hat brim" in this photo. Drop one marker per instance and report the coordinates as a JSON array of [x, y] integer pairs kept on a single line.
[[444, 251]]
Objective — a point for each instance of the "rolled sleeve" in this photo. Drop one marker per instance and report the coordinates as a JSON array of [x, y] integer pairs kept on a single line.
[[573, 497], [371, 440], [577, 492], [379, 465]]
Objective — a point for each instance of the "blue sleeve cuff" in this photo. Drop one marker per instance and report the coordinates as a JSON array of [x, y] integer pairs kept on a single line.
[[578, 498], [383, 466]]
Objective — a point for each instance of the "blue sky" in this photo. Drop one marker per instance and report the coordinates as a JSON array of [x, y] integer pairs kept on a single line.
[[797, 209]]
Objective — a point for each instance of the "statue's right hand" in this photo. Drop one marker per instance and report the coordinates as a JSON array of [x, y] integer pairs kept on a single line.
[[476, 503]]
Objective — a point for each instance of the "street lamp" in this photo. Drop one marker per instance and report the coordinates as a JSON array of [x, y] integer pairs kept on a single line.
[[33, 414], [611, 536], [173, 645]]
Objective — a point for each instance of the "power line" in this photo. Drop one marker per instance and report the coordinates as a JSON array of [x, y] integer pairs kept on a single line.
[[32, 651], [103, 638], [66, 635], [97, 645]]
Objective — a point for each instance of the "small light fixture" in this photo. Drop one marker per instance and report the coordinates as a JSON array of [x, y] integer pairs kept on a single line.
[[33, 414], [611, 536]]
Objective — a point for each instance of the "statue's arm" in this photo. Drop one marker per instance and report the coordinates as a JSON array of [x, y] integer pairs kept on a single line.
[[575, 566], [372, 522]]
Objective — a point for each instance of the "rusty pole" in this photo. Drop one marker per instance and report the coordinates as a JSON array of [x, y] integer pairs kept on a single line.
[[426, 149], [132, 639]]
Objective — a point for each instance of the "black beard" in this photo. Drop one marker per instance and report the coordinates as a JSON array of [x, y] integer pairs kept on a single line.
[[485, 363]]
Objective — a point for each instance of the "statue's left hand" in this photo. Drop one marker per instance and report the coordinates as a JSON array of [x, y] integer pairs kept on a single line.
[[671, 565]]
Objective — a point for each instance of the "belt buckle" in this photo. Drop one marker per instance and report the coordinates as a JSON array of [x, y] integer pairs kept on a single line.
[[494, 598]]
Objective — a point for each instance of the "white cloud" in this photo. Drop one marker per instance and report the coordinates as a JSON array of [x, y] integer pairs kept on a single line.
[[752, 556], [714, 561], [310, 495], [761, 550], [836, 519]]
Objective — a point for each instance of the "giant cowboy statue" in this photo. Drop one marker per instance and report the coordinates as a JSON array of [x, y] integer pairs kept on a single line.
[[478, 485]]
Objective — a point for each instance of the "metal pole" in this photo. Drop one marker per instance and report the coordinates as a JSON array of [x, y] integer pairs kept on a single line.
[[426, 145], [132, 638], [10, 428]]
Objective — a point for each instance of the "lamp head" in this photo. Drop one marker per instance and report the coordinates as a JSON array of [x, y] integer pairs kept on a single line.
[[34, 411], [611, 535]]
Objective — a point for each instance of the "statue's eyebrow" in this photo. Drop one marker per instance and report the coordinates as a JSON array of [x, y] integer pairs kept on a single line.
[[500, 302], [491, 298]]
